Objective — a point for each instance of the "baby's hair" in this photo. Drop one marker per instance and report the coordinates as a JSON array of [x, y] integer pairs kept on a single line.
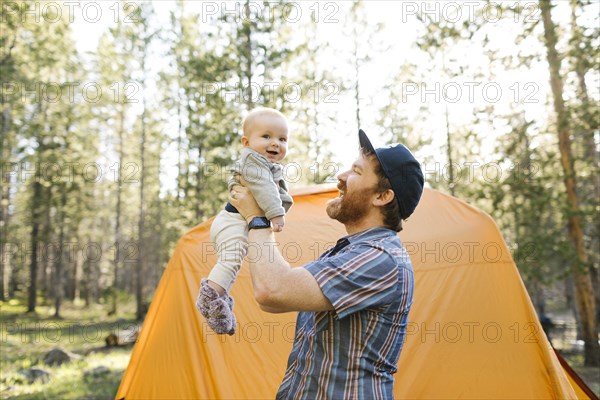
[[260, 111]]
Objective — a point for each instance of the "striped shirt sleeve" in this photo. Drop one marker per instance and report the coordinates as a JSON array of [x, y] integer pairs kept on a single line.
[[362, 277]]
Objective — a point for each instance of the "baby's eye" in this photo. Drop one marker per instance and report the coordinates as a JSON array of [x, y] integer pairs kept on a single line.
[[265, 136], [283, 139]]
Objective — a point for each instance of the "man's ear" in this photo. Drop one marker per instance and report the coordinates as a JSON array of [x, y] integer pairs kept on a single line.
[[384, 198], [245, 141]]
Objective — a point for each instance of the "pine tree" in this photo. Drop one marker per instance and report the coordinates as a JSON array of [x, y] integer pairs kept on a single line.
[[41, 54], [585, 119], [584, 293], [443, 41], [10, 76], [310, 160], [114, 61]]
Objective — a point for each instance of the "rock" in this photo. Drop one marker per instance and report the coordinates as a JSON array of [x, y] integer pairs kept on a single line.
[[58, 356], [128, 335], [36, 374], [97, 372]]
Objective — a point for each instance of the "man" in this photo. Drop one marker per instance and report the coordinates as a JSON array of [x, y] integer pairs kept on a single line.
[[353, 301]]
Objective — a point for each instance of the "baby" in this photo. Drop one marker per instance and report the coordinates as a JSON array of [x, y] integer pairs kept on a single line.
[[265, 137]]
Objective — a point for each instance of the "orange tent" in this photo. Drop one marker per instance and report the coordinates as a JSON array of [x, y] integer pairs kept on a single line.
[[473, 331]]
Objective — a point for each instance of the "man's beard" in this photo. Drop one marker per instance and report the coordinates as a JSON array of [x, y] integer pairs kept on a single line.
[[353, 207]]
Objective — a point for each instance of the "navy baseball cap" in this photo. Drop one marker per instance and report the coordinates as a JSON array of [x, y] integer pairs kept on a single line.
[[402, 170]]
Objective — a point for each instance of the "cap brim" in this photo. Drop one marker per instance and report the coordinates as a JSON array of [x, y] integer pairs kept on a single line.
[[364, 141]]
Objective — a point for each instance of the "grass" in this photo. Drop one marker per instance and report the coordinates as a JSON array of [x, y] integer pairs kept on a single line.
[[25, 338]]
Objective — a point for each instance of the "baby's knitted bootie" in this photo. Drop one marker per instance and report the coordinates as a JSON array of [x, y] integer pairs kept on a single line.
[[206, 295], [218, 310]]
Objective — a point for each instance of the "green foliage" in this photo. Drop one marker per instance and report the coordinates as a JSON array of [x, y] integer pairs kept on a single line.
[[526, 206], [192, 122], [26, 338], [519, 182]]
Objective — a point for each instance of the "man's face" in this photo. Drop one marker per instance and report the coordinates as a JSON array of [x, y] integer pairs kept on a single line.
[[357, 191]]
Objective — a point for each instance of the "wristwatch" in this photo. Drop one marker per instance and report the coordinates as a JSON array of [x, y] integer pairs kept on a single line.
[[259, 223]]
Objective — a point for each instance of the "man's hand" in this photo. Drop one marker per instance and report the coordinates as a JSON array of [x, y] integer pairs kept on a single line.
[[241, 198], [277, 223]]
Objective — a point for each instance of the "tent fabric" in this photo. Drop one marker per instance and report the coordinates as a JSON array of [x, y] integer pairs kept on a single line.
[[473, 331]]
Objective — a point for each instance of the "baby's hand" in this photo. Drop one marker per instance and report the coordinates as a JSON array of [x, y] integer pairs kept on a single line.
[[278, 223]]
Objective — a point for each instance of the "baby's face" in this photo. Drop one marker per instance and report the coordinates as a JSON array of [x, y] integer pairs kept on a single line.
[[267, 135]]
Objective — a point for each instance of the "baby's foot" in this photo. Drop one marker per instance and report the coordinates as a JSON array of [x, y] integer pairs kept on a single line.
[[206, 295], [221, 317], [218, 310]]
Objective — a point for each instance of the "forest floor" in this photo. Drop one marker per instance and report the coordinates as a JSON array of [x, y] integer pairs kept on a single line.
[[96, 370], [564, 339], [590, 375]]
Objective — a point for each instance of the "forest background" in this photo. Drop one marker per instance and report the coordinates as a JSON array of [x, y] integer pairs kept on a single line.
[[119, 119]]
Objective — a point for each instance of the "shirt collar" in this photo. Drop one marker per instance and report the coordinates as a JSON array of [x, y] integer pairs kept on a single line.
[[378, 232], [370, 234]]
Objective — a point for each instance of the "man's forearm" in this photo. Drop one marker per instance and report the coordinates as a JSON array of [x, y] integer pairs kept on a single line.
[[268, 269], [278, 287]]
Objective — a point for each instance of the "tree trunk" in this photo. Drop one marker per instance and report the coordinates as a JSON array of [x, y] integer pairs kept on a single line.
[[357, 81], [356, 8], [159, 246], [451, 183], [118, 235], [180, 133], [86, 282], [140, 248], [591, 154], [47, 288], [76, 275], [35, 232], [95, 291], [139, 288], [584, 293], [249, 59], [180, 112], [5, 183], [59, 281], [199, 212], [595, 278], [579, 66], [87, 263]]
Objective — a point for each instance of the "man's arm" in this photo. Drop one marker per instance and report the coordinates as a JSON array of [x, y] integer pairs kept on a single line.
[[277, 286]]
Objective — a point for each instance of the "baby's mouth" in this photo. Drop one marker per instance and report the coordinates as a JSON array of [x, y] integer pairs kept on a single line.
[[272, 152]]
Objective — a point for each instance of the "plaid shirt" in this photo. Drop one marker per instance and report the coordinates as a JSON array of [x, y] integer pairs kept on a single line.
[[352, 352]]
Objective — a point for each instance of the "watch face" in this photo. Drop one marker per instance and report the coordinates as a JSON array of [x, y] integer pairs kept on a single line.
[[259, 223]]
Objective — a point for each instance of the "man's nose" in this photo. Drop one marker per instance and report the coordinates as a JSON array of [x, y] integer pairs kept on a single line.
[[342, 177]]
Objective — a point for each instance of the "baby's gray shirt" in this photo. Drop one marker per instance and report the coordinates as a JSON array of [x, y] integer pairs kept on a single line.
[[265, 180]]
